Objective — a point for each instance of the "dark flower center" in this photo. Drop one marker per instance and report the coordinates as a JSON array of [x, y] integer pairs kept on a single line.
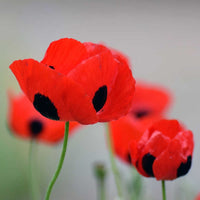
[[141, 113], [35, 127]]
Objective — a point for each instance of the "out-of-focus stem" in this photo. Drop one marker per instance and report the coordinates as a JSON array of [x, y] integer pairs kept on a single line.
[[35, 193], [113, 163]]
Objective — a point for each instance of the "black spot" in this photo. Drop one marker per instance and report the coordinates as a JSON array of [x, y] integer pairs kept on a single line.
[[184, 167], [141, 113], [128, 158], [52, 67], [44, 105], [100, 98], [35, 127], [147, 163]]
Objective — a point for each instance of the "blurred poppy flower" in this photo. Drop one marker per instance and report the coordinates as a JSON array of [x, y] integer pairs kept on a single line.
[[24, 121], [149, 100], [149, 104], [76, 81], [164, 151]]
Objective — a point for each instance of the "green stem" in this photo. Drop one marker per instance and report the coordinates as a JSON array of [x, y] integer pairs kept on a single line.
[[113, 163], [35, 194], [135, 186], [60, 164], [163, 190], [101, 190]]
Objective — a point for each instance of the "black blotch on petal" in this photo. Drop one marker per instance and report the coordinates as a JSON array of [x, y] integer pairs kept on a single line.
[[44, 105], [147, 164], [184, 167], [35, 127], [141, 113], [99, 98], [52, 67]]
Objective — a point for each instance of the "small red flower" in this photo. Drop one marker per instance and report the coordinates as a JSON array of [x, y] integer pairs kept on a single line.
[[24, 121], [76, 81], [164, 151], [149, 104]]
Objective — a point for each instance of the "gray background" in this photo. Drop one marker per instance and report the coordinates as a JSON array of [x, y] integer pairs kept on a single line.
[[162, 40]]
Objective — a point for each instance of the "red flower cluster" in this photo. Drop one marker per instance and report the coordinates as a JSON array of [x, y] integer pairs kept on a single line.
[[75, 81], [164, 150], [149, 104], [26, 122], [157, 148]]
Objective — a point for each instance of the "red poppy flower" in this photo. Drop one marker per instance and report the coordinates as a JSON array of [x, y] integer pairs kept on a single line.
[[26, 122], [149, 100], [76, 81], [164, 151], [149, 103]]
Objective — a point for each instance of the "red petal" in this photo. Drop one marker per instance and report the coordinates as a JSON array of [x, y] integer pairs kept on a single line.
[[185, 138], [156, 144], [166, 165], [168, 127], [67, 96], [94, 49], [65, 54], [95, 72], [120, 95]]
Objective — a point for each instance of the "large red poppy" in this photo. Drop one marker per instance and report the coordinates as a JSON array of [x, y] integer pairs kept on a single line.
[[149, 103], [76, 81], [24, 121], [164, 151]]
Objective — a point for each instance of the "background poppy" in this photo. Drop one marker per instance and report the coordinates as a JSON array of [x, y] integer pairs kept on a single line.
[[24, 121]]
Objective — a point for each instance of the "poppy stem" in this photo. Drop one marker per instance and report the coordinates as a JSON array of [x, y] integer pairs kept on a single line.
[[113, 163], [35, 193], [135, 185], [163, 190], [60, 164]]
